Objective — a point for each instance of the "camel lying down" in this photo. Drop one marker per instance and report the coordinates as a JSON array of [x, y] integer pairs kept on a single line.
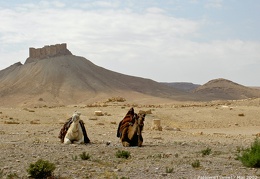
[[73, 131], [130, 129]]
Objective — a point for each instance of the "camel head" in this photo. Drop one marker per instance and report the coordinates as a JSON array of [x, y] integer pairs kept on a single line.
[[141, 118], [140, 122], [75, 116]]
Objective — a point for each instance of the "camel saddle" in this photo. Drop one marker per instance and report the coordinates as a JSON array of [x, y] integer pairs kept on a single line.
[[128, 120]]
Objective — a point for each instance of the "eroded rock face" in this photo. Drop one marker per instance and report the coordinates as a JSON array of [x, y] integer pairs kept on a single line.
[[47, 51]]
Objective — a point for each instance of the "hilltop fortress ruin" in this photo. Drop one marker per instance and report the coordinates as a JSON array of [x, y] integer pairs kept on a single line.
[[47, 51]]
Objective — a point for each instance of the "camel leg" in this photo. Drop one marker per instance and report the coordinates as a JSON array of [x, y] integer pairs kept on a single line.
[[125, 144], [124, 137], [140, 141], [81, 141], [66, 141]]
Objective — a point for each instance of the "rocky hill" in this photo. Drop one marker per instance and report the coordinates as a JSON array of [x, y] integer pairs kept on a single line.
[[69, 79], [226, 89]]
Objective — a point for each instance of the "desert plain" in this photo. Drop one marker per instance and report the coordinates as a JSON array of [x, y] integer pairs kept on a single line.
[[223, 127]]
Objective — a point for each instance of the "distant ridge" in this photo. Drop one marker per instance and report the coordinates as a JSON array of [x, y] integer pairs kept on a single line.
[[226, 89], [184, 86]]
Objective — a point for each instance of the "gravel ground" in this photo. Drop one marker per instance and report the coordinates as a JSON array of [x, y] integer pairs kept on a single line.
[[29, 134]]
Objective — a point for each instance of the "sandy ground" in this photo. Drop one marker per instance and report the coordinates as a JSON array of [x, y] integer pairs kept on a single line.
[[29, 134]]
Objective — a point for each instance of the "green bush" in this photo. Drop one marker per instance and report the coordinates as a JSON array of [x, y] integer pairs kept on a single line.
[[74, 157], [251, 156], [84, 156], [41, 169], [207, 151], [195, 164], [122, 154], [169, 170]]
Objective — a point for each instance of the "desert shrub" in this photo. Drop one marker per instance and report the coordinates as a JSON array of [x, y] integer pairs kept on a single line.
[[251, 156], [169, 170], [41, 169], [195, 164], [122, 154], [207, 151], [84, 156], [74, 157]]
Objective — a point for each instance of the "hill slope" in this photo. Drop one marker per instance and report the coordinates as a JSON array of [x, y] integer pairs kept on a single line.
[[71, 79], [226, 89]]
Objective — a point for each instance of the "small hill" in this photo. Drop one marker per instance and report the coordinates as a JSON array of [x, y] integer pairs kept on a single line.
[[226, 89]]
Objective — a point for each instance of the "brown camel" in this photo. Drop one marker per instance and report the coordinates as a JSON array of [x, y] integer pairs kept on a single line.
[[132, 133], [129, 119]]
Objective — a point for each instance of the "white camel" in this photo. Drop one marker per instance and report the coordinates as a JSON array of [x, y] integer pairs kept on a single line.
[[74, 133]]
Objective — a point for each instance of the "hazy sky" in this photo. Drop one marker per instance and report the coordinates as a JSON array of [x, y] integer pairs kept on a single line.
[[164, 40]]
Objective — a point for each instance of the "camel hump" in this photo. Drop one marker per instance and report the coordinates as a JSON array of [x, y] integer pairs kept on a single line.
[[131, 112], [129, 119]]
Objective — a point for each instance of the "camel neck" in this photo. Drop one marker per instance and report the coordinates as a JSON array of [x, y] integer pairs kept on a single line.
[[74, 126]]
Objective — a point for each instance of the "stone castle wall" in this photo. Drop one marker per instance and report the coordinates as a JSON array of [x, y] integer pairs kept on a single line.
[[49, 51]]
